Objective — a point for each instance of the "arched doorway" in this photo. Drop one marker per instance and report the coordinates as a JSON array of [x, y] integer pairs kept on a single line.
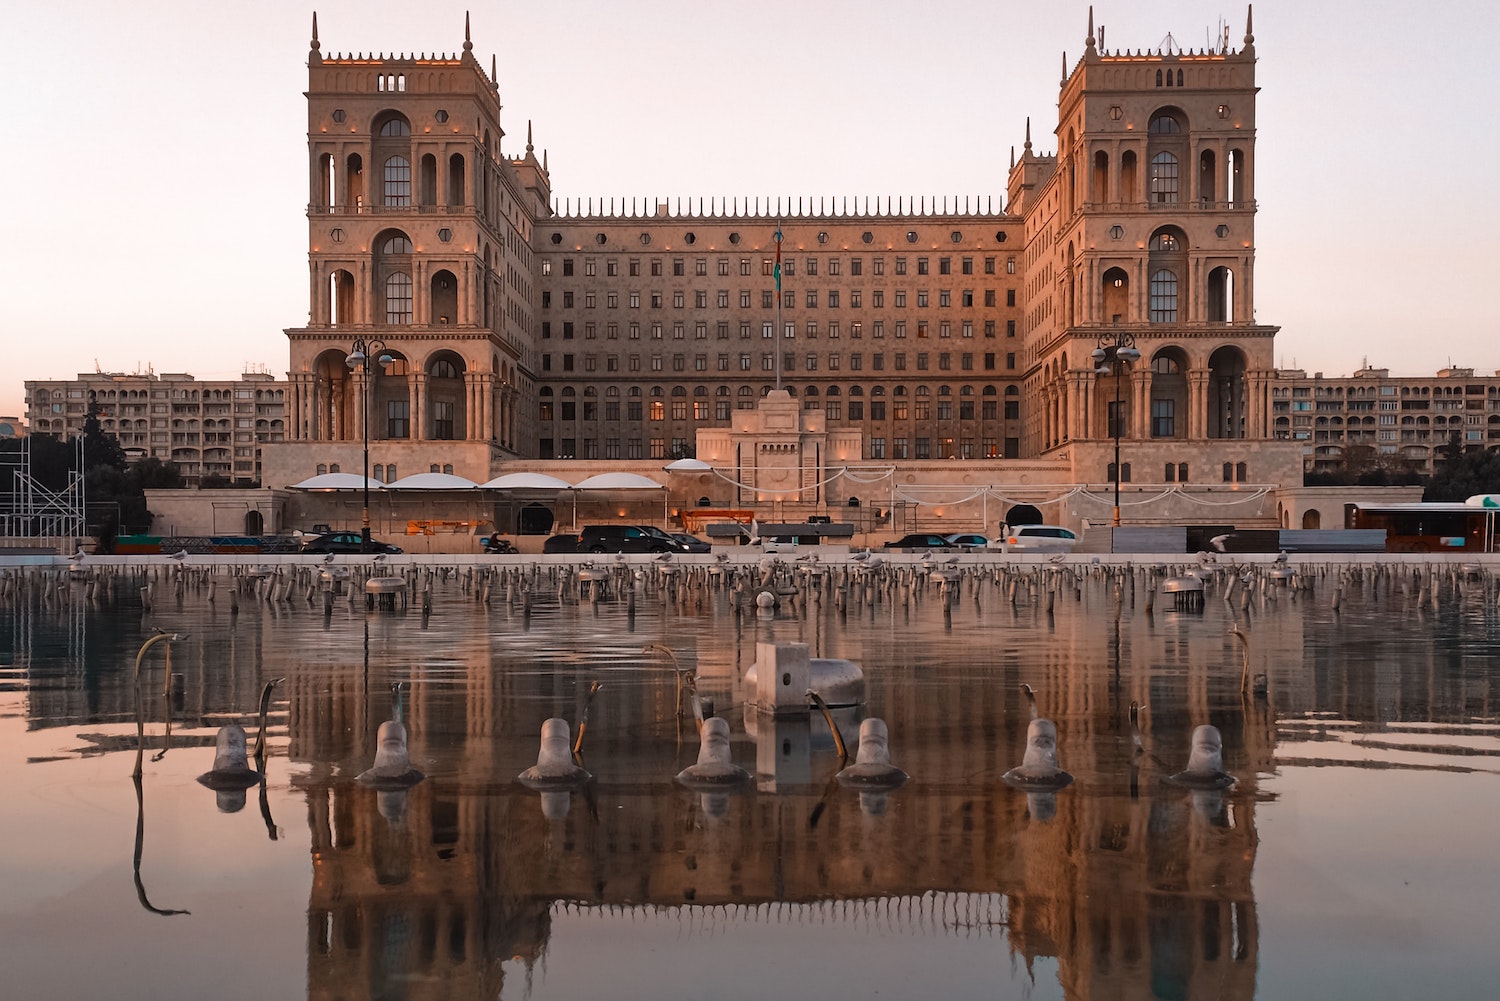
[[1024, 514], [255, 523], [535, 519]]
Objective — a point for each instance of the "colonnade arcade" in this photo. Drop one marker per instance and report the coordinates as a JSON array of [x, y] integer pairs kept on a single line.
[[1166, 395], [436, 396]]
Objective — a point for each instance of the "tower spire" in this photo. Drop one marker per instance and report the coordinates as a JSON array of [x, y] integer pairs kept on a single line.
[[1026, 148], [468, 42], [1062, 81], [1089, 43], [1249, 26], [529, 147], [314, 55]]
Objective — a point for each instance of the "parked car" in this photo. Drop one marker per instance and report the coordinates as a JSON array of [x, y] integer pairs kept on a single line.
[[692, 542], [1039, 539], [345, 542], [565, 543], [920, 540], [627, 539], [968, 540]]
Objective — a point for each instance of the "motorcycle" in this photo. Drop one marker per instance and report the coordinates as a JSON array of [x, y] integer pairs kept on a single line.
[[496, 546]]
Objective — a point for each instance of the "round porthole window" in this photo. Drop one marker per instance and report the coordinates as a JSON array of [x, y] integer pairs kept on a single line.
[[557, 238], [600, 239], [339, 115], [445, 234], [956, 236], [336, 235], [734, 238], [823, 237], [867, 237], [645, 238], [441, 116], [1222, 231], [690, 239], [1116, 232], [911, 236], [1000, 236]]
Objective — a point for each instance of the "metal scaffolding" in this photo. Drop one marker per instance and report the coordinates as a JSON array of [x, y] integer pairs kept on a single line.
[[35, 512]]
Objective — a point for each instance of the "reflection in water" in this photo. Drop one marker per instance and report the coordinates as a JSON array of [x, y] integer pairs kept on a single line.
[[1136, 886]]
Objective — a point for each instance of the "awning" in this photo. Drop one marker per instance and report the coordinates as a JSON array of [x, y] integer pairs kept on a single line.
[[337, 481], [526, 481], [619, 481], [432, 481]]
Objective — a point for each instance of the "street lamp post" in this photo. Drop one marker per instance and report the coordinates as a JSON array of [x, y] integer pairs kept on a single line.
[[360, 355], [1114, 353]]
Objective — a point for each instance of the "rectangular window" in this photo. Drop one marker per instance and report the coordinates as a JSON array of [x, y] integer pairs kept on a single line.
[[900, 265], [442, 421], [879, 265], [397, 419], [833, 299], [945, 265], [1010, 297], [723, 266], [922, 266], [921, 299], [900, 299], [877, 445], [1163, 419], [856, 266], [612, 268]]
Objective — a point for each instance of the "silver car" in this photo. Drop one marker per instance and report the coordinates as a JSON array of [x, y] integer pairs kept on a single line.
[[1038, 539]]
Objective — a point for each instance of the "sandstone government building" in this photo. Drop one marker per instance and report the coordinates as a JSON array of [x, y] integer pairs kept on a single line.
[[898, 362]]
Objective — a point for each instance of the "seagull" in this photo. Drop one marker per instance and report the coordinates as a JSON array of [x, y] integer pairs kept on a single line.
[[860, 557], [1219, 541], [179, 556], [664, 558], [78, 556], [1030, 699], [328, 558], [380, 557], [1058, 558]]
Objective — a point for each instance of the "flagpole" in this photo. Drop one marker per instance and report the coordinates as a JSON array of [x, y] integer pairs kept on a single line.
[[776, 334]]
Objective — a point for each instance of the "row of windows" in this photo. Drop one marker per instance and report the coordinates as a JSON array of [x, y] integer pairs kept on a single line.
[[811, 362], [789, 266], [921, 447], [720, 410], [831, 297], [810, 330]]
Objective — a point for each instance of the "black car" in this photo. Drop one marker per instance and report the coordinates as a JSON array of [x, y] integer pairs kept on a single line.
[[627, 539], [346, 542], [692, 542], [560, 544], [921, 540]]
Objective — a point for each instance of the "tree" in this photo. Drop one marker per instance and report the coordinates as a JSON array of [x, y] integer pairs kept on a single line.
[[1461, 477]]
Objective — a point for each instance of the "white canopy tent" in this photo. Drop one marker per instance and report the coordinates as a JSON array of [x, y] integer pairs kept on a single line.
[[607, 482], [337, 481], [526, 481], [432, 481]]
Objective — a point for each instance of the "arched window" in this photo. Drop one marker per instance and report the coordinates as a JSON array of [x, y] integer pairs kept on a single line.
[[398, 244], [1164, 179], [398, 298], [397, 181], [395, 127], [444, 369], [1163, 296]]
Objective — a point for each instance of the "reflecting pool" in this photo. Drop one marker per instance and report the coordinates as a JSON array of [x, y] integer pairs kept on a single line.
[[1354, 856]]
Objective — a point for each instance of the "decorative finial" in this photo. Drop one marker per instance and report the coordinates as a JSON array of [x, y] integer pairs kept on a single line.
[[494, 73], [529, 147], [315, 45], [1249, 22], [544, 161], [1090, 42], [1026, 149], [1064, 78], [468, 43], [1012, 156]]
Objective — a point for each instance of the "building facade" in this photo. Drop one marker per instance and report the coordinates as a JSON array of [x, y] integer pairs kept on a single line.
[[202, 427], [1373, 417], [507, 324]]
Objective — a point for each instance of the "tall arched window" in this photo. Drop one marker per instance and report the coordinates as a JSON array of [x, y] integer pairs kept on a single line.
[[1164, 178], [398, 298], [1163, 296], [397, 181]]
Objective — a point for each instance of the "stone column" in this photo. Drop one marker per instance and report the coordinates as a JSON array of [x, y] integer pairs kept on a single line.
[[418, 430]]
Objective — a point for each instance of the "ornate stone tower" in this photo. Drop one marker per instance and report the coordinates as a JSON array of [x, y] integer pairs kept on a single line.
[[1140, 233], [419, 236]]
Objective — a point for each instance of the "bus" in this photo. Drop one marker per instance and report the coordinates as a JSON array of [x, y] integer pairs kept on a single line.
[[1432, 527]]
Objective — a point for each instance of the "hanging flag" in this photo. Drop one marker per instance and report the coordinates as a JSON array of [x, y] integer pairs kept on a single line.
[[777, 271]]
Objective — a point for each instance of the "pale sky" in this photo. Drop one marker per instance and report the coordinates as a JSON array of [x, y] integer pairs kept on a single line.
[[176, 237]]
